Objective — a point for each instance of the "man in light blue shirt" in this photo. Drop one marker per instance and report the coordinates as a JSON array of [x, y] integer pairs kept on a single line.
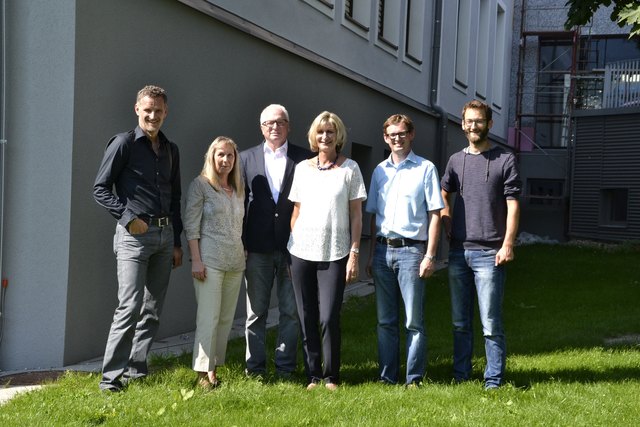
[[405, 203]]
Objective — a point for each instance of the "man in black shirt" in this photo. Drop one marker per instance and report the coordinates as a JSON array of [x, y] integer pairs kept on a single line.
[[144, 166]]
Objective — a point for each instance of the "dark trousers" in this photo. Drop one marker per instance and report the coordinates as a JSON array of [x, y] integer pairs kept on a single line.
[[319, 290]]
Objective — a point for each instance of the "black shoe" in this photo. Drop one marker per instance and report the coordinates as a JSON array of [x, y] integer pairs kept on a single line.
[[111, 387], [128, 380]]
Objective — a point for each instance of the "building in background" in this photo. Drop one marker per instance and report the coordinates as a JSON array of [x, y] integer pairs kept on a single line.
[[574, 108], [70, 73]]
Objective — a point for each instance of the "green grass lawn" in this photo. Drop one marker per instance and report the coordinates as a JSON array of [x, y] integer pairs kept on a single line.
[[573, 328]]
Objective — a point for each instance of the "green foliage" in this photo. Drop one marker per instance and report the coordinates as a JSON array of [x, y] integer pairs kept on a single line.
[[573, 335], [630, 15], [625, 12]]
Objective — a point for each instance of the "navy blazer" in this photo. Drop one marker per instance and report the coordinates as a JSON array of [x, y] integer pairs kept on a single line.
[[267, 224]]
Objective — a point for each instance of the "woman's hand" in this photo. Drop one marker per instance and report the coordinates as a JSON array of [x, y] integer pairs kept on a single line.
[[352, 268], [198, 270]]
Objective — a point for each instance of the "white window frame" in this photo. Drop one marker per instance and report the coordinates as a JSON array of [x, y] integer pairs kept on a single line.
[[482, 49], [499, 53], [388, 15], [414, 46], [463, 38], [327, 7], [360, 20]]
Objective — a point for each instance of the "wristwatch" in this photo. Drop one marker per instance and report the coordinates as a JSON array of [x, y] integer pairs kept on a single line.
[[430, 257]]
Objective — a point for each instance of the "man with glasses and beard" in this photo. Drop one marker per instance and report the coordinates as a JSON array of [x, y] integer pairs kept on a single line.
[[481, 226]]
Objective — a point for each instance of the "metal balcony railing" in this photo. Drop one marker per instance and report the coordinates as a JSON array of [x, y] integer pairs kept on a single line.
[[617, 86], [622, 84]]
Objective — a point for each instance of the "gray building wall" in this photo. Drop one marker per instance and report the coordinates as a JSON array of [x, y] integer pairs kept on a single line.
[[73, 71], [38, 178], [451, 95], [315, 28]]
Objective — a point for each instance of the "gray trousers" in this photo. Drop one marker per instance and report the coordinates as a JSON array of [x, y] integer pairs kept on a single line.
[[260, 273], [144, 265]]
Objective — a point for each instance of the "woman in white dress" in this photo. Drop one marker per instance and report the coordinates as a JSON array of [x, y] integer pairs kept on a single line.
[[326, 224]]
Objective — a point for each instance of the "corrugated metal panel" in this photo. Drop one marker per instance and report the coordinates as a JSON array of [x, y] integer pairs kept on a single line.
[[606, 156]]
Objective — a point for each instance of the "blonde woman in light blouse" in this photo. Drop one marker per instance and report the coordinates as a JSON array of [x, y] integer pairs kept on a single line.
[[326, 225], [213, 225]]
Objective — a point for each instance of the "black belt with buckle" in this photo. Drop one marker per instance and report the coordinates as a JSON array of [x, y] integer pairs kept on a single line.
[[162, 221], [399, 242]]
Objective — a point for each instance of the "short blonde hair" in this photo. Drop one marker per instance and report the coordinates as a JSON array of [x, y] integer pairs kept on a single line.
[[333, 120], [209, 169]]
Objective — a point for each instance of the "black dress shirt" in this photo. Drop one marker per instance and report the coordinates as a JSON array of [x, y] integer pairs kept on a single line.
[[146, 184]]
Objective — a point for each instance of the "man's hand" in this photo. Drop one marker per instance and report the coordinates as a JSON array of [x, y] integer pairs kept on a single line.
[[177, 256], [446, 224], [137, 226], [369, 267], [427, 267], [505, 254]]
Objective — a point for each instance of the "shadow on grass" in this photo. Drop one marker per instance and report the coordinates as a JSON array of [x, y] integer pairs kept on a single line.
[[438, 371], [557, 298], [526, 378]]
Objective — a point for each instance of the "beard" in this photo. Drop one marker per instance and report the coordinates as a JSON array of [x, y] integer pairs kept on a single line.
[[478, 136]]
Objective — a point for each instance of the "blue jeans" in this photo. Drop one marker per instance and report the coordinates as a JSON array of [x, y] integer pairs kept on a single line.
[[396, 274], [260, 273], [473, 273], [144, 266]]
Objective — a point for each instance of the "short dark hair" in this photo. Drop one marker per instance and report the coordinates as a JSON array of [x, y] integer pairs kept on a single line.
[[478, 105], [152, 92]]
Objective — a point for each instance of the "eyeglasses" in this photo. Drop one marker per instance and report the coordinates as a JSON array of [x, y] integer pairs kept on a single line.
[[400, 135], [478, 122], [269, 123]]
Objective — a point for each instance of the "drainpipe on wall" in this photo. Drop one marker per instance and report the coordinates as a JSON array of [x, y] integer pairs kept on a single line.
[[441, 135], [3, 143], [440, 155]]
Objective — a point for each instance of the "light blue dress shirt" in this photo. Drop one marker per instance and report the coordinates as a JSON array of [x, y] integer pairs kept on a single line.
[[402, 195]]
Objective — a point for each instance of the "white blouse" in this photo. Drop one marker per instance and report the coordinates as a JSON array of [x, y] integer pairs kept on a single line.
[[321, 231], [216, 219]]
